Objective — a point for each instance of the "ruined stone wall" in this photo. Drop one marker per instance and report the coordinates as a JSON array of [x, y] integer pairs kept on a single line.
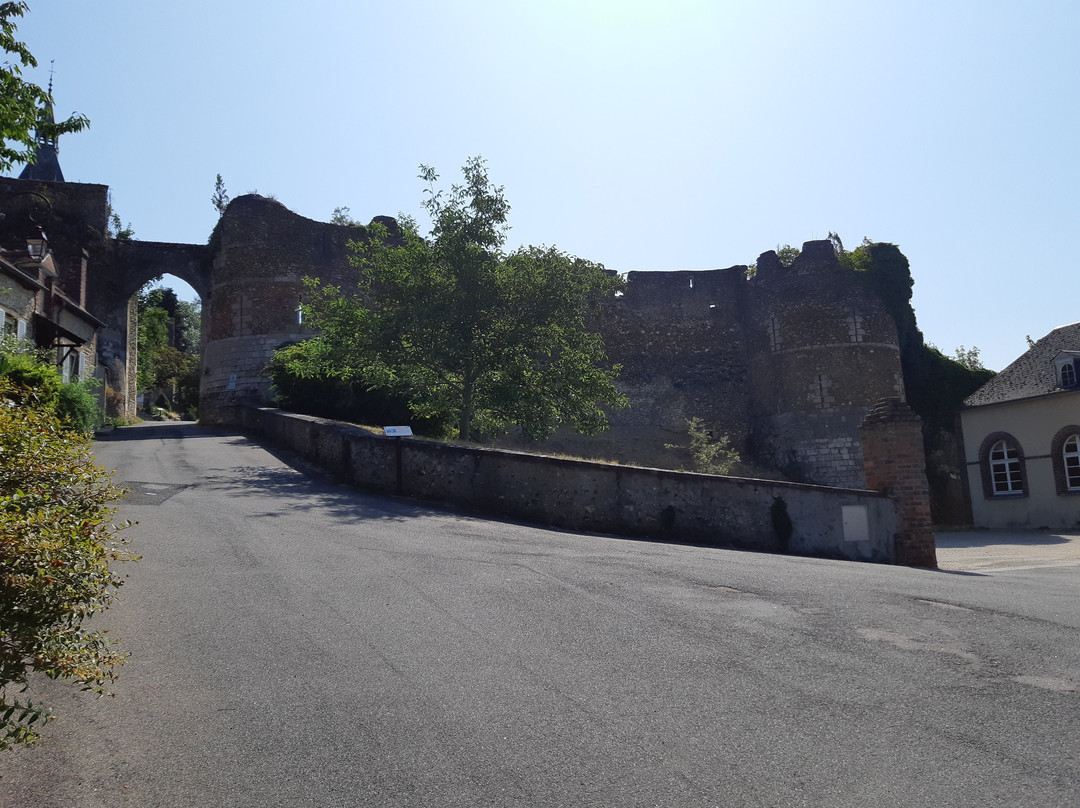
[[128, 404], [896, 467], [786, 363], [262, 253], [678, 338], [116, 272], [821, 351], [578, 495]]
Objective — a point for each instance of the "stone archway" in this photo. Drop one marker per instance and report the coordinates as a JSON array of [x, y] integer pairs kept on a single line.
[[250, 280], [123, 268]]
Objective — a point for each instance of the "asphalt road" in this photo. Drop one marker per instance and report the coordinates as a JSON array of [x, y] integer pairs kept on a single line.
[[297, 643]]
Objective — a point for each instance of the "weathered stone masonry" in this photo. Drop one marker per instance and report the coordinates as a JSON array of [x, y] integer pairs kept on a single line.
[[787, 362], [579, 495]]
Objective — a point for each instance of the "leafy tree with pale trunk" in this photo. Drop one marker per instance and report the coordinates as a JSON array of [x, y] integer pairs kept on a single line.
[[459, 328]]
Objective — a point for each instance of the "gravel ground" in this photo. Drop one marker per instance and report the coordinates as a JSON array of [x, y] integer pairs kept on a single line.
[[988, 551]]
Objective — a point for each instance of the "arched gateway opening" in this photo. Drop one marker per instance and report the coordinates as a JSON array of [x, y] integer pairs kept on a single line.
[[80, 293]]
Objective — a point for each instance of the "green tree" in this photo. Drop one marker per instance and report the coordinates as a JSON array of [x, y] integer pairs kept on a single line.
[[187, 330], [220, 199], [114, 225], [169, 348], [57, 543], [457, 327], [343, 216], [971, 358], [183, 323], [712, 455], [176, 377], [24, 366], [342, 400], [153, 338], [21, 117], [787, 254]]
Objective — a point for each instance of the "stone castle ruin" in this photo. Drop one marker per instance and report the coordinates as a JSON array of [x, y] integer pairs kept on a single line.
[[787, 362]]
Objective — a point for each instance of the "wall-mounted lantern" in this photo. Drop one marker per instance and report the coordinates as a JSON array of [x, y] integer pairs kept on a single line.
[[37, 246]]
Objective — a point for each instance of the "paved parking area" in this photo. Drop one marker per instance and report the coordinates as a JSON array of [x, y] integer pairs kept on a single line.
[[988, 551]]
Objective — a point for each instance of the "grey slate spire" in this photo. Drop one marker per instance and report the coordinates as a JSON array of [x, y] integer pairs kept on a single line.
[[47, 165]]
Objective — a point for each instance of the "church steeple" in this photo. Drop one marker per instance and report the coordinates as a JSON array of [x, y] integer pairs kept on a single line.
[[47, 165]]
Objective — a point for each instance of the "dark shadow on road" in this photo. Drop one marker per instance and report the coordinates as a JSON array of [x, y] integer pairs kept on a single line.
[[300, 487], [161, 430]]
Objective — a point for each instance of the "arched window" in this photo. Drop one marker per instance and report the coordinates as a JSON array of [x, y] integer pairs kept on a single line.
[[1065, 455], [1071, 457], [1067, 364], [1002, 462], [1005, 469]]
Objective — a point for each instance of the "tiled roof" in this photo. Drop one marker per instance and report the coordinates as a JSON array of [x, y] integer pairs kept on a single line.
[[1033, 374]]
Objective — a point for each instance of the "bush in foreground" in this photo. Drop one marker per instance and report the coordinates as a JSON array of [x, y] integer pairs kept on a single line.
[[56, 544]]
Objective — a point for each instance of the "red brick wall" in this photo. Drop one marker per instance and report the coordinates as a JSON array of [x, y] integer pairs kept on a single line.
[[896, 466]]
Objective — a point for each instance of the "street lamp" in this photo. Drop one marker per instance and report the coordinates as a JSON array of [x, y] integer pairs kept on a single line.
[[37, 246], [25, 221]]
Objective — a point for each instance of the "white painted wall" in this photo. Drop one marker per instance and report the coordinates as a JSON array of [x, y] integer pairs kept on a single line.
[[1033, 422]]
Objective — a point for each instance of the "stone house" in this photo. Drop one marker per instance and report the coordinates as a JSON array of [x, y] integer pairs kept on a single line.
[[43, 286], [1021, 437], [35, 303]]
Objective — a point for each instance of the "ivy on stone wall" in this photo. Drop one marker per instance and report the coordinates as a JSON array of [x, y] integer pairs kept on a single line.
[[936, 385]]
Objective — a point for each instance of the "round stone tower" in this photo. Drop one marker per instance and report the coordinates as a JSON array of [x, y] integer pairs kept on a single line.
[[822, 351], [262, 252]]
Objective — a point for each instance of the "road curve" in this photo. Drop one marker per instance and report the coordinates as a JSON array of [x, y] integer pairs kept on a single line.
[[298, 643]]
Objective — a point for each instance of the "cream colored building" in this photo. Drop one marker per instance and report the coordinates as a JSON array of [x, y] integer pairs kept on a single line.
[[1022, 439]]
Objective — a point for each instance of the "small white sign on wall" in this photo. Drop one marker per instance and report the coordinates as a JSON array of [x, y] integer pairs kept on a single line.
[[856, 522], [397, 431]]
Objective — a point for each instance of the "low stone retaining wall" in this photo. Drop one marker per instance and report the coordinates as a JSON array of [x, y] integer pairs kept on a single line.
[[596, 497]]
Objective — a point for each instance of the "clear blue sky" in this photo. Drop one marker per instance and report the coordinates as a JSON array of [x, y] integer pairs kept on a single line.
[[687, 134]]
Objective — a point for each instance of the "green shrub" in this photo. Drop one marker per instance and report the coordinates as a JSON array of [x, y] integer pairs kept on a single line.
[[330, 397], [77, 406], [711, 455], [56, 544], [28, 368]]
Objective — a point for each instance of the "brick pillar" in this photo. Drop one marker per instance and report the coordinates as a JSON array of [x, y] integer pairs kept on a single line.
[[896, 466]]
